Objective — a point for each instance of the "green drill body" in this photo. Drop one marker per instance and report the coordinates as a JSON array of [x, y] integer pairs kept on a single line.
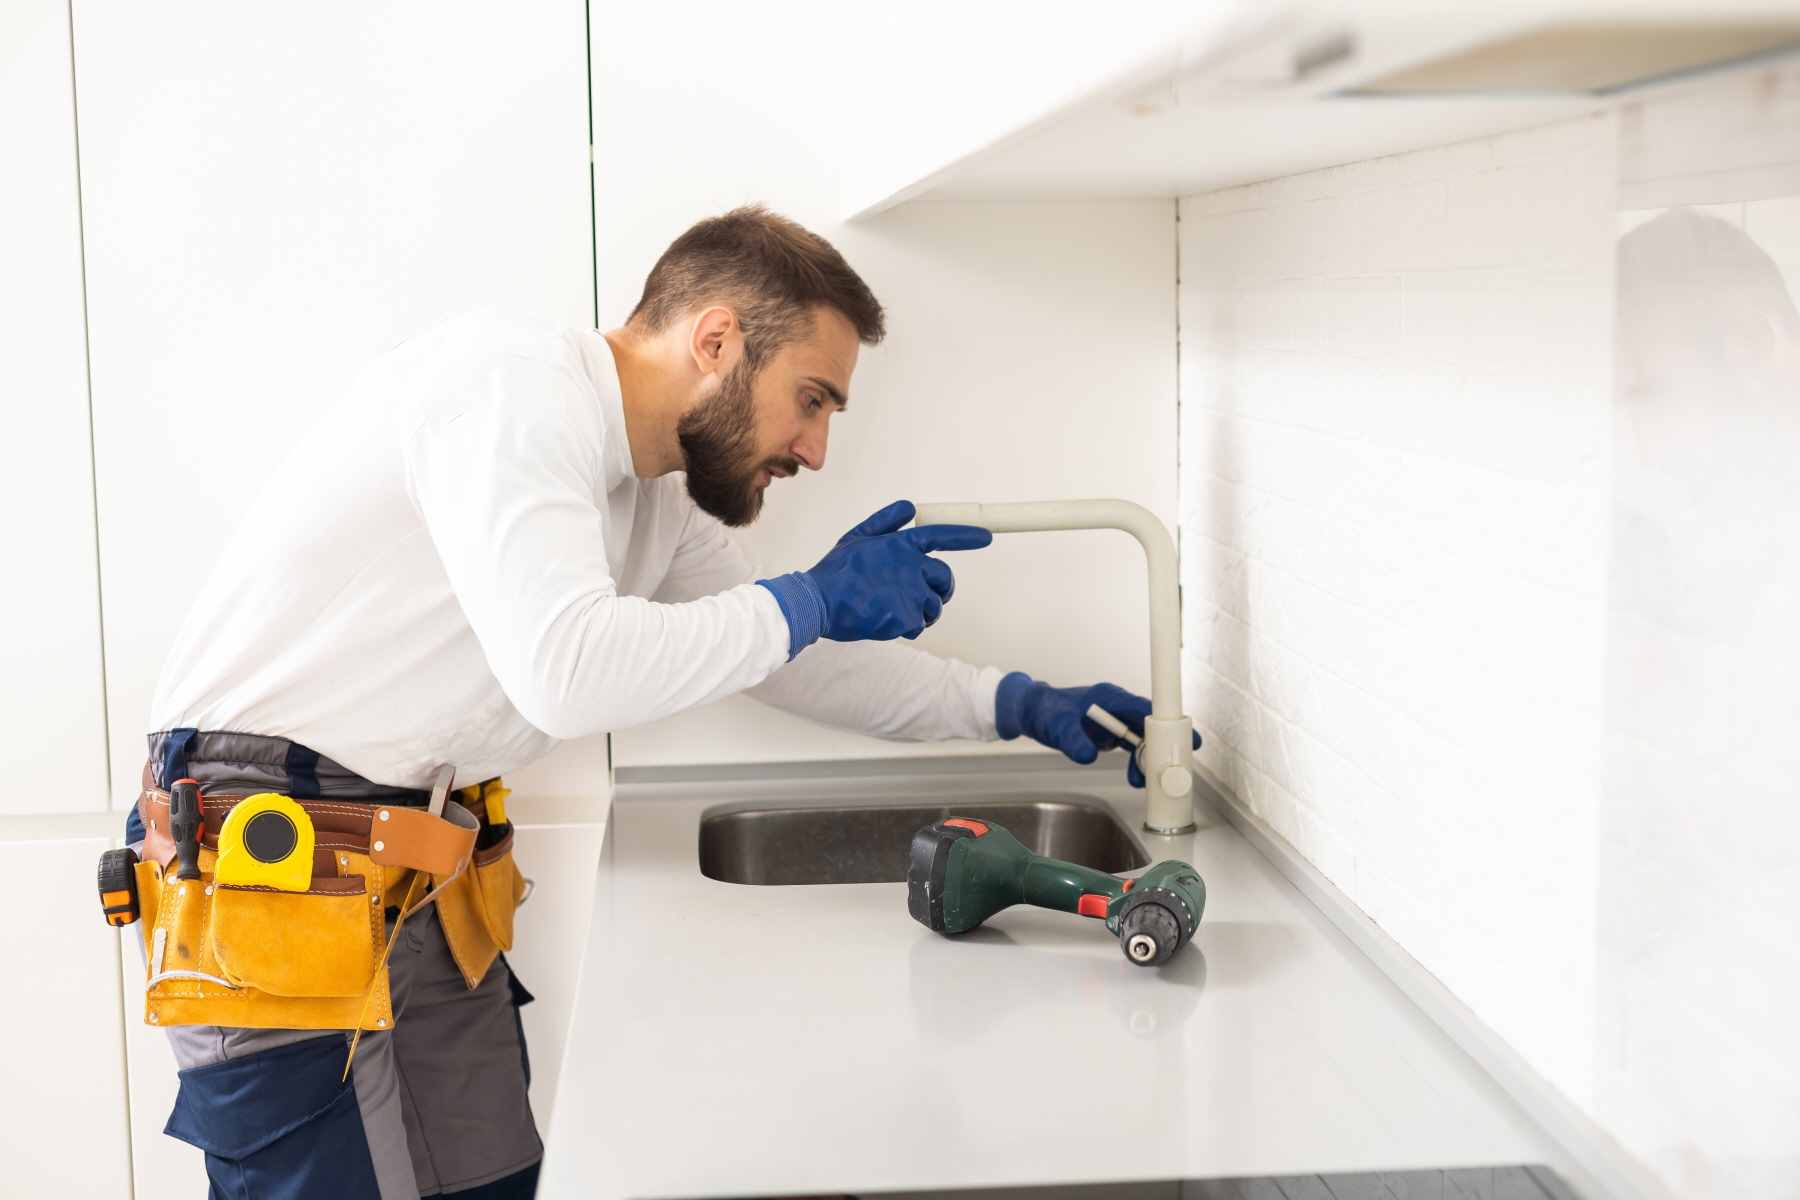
[[964, 871]]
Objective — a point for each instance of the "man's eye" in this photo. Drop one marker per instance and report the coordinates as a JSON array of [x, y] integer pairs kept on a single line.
[[812, 401]]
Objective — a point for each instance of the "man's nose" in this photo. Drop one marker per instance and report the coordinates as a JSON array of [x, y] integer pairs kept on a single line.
[[809, 447]]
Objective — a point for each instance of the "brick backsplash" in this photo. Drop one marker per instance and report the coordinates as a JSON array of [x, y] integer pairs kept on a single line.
[[1404, 452]]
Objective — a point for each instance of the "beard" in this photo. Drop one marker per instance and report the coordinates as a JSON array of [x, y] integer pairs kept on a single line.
[[718, 448]]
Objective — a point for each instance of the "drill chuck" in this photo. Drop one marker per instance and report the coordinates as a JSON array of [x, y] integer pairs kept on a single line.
[[1149, 935]]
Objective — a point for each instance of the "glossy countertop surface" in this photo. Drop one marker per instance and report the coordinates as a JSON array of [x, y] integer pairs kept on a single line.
[[732, 1040]]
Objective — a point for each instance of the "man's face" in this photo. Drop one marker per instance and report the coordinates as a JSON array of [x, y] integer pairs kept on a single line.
[[749, 432]]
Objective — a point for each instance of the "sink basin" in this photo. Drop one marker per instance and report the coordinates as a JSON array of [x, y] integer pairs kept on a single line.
[[868, 841]]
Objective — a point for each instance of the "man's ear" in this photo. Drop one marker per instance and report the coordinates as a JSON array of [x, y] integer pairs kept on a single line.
[[715, 341]]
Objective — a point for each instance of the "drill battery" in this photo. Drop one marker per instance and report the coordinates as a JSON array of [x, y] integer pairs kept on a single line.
[[118, 886]]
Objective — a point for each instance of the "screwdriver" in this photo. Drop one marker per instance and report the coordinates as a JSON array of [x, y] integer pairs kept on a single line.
[[185, 822], [1112, 725]]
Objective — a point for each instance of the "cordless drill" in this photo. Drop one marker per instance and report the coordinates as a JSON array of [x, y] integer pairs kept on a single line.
[[963, 871]]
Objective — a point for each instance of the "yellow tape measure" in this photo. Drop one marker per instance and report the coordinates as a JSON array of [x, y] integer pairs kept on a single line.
[[266, 841]]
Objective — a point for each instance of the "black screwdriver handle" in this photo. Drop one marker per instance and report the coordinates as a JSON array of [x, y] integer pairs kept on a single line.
[[185, 820]]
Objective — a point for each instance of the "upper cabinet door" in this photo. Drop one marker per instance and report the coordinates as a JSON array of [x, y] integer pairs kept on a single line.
[[927, 87], [52, 718], [276, 194]]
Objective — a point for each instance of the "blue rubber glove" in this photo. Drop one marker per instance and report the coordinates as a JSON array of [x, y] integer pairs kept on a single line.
[[1057, 717], [878, 583]]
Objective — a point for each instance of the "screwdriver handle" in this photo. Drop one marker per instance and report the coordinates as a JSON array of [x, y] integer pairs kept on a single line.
[[1112, 725], [185, 821]]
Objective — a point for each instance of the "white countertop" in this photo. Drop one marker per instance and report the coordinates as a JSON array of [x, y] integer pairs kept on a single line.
[[730, 1040]]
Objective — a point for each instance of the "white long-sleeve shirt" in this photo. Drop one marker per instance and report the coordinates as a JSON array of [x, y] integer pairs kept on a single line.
[[458, 564]]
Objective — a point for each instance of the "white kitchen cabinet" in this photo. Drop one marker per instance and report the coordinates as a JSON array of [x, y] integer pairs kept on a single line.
[[924, 84], [52, 716], [274, 196], [62, 1111]]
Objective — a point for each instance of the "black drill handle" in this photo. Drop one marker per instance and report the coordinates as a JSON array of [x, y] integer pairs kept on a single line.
[[185, 821]]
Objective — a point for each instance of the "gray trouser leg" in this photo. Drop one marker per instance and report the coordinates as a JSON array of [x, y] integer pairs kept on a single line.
[[461, 1068]]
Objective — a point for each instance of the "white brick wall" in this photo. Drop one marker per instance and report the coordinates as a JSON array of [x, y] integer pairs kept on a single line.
[[1395, 394], [1699, 895], [1409, 462]]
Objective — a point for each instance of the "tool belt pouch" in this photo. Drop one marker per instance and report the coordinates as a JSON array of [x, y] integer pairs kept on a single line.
[[262, 957], [476, 911]]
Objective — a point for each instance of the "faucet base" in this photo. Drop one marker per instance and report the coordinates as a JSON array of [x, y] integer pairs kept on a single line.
[[1190, 827]]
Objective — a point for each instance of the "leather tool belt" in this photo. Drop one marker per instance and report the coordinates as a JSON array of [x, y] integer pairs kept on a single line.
[[261, 957]]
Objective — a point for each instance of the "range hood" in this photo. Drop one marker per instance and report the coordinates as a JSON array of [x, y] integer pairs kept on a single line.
[[1238, 90], [1598, 59]]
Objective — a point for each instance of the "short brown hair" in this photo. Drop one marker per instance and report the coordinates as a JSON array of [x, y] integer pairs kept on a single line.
[[768, 270]]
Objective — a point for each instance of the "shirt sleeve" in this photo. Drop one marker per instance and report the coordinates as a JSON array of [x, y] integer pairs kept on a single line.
[[503, 460], [892, 690]]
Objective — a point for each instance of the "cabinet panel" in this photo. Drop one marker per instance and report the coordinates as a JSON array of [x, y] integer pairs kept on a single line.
[[273, 199], [549, 935], [62, 1111], [52, 719]]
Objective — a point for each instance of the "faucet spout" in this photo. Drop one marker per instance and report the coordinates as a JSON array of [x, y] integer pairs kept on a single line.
[[1166, 757]]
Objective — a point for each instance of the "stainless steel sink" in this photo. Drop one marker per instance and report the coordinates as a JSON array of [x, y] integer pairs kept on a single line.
[[867, 841]]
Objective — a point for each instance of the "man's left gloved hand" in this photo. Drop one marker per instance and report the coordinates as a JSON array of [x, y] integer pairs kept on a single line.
[[1057, 717]]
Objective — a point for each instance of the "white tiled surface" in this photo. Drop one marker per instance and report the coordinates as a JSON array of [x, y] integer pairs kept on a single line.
[[1394, 403]]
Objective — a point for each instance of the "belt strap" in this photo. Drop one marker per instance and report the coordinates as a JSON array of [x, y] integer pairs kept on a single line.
[[407, 837]]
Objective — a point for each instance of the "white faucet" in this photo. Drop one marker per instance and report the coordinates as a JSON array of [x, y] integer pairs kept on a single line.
[[1166, 756]]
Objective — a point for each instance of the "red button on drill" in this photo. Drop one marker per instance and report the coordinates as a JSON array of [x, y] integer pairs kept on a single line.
[[1091, 905], [975, 827]]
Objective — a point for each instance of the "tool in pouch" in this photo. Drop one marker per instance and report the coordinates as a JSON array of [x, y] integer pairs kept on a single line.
[[963, 871], [118, 868], [282, 923]]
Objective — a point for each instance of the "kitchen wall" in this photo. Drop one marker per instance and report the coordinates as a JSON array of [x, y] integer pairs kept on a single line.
[[1490, 625], [1030, 354], [1395, 398]]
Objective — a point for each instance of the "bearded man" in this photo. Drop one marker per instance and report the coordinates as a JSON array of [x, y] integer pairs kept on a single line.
[[509, 532]]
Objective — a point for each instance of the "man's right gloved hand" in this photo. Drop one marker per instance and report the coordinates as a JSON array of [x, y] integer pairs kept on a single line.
[[878, 583]]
